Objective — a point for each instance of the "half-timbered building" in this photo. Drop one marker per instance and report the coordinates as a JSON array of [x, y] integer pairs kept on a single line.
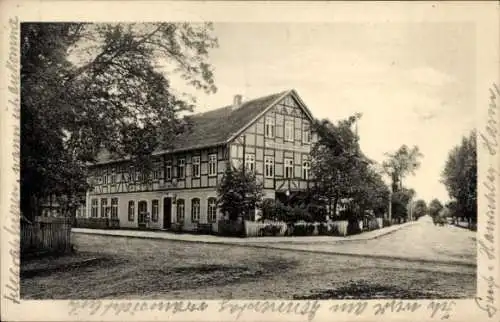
[[271, 135]]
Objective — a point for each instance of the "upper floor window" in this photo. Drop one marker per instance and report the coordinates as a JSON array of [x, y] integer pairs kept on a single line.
[[306, 168], [113, 176], [196, 167], [154, 210], [212, 164], [212, 210], [168, 170], [105, 177], [269, 167], [306, 133], [94, 208], [156, 171], [289, 130], [269, 128], [114, 208], [104, 207], [181, 168], [195, 210], [180, 210], [131, 210], [250, 162], [288, 168]]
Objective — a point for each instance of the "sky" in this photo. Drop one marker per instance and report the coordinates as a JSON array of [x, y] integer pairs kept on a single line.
[[414, 83]]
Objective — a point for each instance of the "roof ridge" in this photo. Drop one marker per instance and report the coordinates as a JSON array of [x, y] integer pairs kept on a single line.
[[243, 102]]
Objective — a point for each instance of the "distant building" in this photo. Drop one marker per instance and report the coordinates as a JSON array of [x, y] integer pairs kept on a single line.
[[271, 135]]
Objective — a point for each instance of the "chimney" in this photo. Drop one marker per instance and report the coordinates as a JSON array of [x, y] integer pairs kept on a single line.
[[237, 101]]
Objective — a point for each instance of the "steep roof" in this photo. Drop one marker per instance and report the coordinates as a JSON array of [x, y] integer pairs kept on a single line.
[[218, 126]]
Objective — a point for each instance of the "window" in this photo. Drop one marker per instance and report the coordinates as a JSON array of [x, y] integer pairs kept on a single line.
[[212, 164], [288, 168], [93, 210], [168, 171], [180, 168], [114, 208], [131, 210], [196, 167], [212, 210], [306, 166], [269, 171], [105, 177], [156, 171], [195, 210], [180, 210], [104, 207], [270, 128], [154, 211], [306, 133], [289, 131], [250, 162], [113, 176], [131, 174]]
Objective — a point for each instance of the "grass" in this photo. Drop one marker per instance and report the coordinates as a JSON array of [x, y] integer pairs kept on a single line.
[[142, 268]]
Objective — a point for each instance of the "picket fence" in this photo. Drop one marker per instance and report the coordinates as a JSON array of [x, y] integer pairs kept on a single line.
[[46, 234], [254, 229]]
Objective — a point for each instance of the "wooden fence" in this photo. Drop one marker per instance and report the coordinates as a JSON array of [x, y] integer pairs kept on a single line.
[[46, 234]]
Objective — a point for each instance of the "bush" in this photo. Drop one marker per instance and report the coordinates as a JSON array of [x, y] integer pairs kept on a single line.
[[303, 230], [317, 212], [96, 223], [269, 209], [323, 229], [386, 222], [231, 228], [270, 230]]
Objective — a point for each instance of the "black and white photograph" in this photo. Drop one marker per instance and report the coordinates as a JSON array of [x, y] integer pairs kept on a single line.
[[252, 160]]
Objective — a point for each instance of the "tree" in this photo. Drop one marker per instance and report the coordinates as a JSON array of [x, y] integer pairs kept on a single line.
[[337, 161], [460, 177], [400, 201], [89, 87], [435, 207], [372, 193], [420, 208], [400, 164], [238, 192]]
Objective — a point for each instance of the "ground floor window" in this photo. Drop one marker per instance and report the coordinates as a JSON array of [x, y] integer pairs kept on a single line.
[[154, 211], [114, 208], [180, 210], [195, 210], [212, 210], [104, 207], [131, 210], [93, 211]]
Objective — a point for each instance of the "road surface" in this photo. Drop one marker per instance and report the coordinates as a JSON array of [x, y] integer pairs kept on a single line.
[[145, 268]]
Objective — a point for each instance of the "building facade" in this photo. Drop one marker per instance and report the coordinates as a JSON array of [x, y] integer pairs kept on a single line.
[[270, 135]]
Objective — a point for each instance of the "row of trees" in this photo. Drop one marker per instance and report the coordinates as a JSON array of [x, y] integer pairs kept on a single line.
[[460, 178], [85, 87]]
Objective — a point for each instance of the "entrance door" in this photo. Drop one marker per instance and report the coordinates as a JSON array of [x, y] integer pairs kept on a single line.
[[142, 213], [167, 212]]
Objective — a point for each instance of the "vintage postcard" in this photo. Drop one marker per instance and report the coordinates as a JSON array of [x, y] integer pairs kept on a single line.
[[223, 161]]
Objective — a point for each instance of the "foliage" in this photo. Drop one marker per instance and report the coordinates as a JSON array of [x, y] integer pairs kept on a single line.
[[420, 208], [87, 87], [403, 162], [460, 176], [400, 200], [435, 207], [341, 171], [238, 192]]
